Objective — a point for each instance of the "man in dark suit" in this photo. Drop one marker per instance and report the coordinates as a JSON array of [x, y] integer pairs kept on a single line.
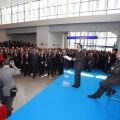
[[78, 65], [49, 61], [55, 61], [26, 62], [34, 59], [112, 79], [91, 61]]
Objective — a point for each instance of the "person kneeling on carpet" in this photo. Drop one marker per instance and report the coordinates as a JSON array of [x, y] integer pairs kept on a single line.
[[112, 79]]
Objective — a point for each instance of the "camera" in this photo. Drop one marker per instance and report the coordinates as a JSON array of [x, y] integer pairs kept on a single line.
[[11, 64]]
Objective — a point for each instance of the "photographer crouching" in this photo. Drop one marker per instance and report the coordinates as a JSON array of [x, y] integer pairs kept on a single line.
[[7, 72]]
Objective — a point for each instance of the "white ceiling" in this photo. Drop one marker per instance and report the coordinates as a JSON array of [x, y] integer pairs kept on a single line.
[[7, 3]]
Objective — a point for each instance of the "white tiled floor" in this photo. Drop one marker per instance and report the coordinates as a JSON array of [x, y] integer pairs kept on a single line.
[[28, 88]]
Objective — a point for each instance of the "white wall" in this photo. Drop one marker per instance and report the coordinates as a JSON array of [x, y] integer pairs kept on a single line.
[[3, 36], [78, 27], [42, 36], [24, 38], [21, 30], [81, 27], [55, 40]]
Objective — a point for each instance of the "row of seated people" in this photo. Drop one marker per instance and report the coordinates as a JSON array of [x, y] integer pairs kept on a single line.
[[16, 43]]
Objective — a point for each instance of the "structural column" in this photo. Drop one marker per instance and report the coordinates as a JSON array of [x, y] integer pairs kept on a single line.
[[47, 39], [118, 41], [42, 36]]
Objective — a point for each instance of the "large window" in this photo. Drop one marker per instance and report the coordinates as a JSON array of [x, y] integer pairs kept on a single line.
[[113, 4], [99, 7], [9, 15], [27, 11], [14, 14], [62, 8], [0, 16], [52, 12], [105, 40], [21, 13], [35, 10], [51, 9], [110, 41], [43, 9], [86, 6]]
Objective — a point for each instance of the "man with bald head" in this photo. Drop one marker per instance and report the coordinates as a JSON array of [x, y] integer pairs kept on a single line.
[[112, 79]]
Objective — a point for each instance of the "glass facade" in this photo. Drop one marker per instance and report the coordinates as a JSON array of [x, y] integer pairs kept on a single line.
[[2, 16], [51, 9], [105, 40]]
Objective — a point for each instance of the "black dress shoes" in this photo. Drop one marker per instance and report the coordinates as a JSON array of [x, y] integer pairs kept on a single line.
[[110, 93], [92, 96], [75, 86], [33, 77]]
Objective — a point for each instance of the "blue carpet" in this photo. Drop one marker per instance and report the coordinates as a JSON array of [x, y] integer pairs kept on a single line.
[[57, 102]]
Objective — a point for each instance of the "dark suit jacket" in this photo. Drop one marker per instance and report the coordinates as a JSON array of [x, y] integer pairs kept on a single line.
[[25, 59], [114, 76], [41, 58], [79, 60]]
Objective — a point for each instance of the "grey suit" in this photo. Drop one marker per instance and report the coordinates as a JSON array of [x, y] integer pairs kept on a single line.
[[6, 78], [78, 65]]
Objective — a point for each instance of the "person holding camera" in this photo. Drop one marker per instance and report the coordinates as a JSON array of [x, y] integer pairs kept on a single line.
[[7, 72]]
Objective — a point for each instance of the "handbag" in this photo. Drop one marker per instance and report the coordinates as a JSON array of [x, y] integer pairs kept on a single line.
[[13, 92]]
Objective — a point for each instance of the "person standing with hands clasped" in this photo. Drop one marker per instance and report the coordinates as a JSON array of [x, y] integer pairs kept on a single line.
[[78, 65], [7, 73]]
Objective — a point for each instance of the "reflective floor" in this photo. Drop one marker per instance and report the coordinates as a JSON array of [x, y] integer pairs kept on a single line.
[[28, 88]]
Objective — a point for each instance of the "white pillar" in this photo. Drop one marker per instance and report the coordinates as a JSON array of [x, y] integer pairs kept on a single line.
[[65, 40], [47, 39], [118, 41], [2, 36], [55, 40], [42, 36]]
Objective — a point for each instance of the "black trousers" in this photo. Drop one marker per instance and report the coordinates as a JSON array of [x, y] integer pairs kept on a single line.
[[8, 102], [104, 86], [77, 78], [41, 69], [26, 69], [50, 69]]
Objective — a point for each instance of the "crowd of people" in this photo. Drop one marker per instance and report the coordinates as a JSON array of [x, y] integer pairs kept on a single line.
[[33, 61], [13, 43]]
